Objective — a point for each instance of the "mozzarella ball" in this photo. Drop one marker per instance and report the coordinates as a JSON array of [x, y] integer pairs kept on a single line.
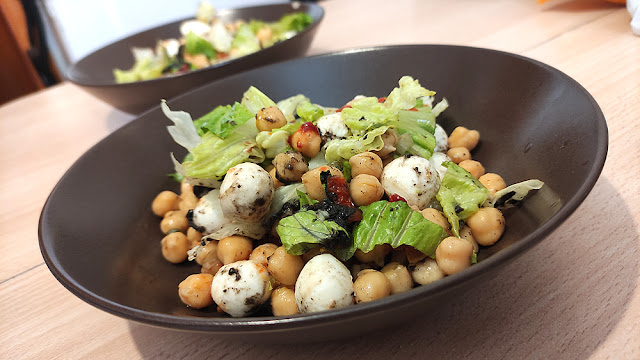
[[413, 178], [324, 283], [246, 192], [436, 161], [441, 139], [240, 288]]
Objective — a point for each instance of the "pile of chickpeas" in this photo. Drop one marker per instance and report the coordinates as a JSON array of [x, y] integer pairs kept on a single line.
[[379, 273]]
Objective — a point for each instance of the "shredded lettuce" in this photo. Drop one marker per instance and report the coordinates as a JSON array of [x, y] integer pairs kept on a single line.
[[273, 142], [183, 131], [513, 193], [366, 114], [405, 96], [309, 112], [194, 45], [339, 149], [215, 155], [223, 119], [245, 42], [147, 65], [460, 195], [289, 105], [395, 223], [420, 126], [254, 100]]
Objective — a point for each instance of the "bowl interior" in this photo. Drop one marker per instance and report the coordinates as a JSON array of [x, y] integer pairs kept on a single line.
[[100, 239]]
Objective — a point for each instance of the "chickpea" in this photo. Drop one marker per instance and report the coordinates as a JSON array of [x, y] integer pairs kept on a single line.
[[175, 247], [264, 35], [284, 267], [185, 187], [493, 182], [313, 184], [366, 163], [210, 247], [475, 168], [290, 166], [357, 268], [211, 264], [435, 217], [487, 225], [194, 236], [174, 220], [371, 285], [262, 252], [376, 255], [463, 137], [465, 234], [453, 255], [188, 201], [164, 202], [457, 154], [306, 140], [390, 139], [270, 118], [398, 276], [426, 272], [234, 248], [313, 252], [276, 183], [283, 302], [414, 255], [365, 189], [199, 61], [195, 290]]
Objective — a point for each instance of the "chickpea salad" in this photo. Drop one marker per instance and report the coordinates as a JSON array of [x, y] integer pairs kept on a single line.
[[294, 207], [208, 40]]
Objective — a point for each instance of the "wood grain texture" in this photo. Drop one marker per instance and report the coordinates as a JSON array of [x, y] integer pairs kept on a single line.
[[573, 296]]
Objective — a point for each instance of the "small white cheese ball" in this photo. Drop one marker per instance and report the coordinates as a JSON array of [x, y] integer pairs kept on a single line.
[[324, 283], [413, 178], [332, 127], [209, 219], [436, 162], [441, 139], [246, 192], [240, 288], [197, 27]]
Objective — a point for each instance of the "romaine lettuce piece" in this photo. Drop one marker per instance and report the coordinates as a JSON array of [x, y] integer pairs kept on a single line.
[[183, 131], [405, 96], [367, 114], [420, 125], [245, 42], [223, 119], [309, 112], [308, 229], [288, 106], [273, 142], [213, 156], [254, 100], [513, 193], [460, 195], [194, 45], [339, 149], [395, 223]]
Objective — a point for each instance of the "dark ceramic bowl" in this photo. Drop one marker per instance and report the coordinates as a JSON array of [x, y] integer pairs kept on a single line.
[[101, 241], [94, 73]]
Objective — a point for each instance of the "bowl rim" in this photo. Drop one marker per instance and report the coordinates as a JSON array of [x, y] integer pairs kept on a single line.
[[300, 321], [310, 8]]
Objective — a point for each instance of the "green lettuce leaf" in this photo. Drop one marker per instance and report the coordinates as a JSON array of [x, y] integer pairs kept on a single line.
[[309, 112], [307, 229], [460, 195], [366, 114], [194, 45], [245, 42], [405, 96], [254, 100], [395, 223], [213, 156], [339, 149], [223, 119], [420, 126], [273, 142], [289, 105]]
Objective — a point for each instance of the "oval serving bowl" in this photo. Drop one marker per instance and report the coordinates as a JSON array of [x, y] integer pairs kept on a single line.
[[94, 73], [101, 241]]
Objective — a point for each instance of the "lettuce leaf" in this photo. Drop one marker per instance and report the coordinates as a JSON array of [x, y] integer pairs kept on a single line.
[[289, 105], [366, 114], [420, 125], [194, 45], [395, 223], [213, 156], [223, 119], [405, 96], [245, 42], [254, 100], [513, 193], [308, 229], [183, 131], [309, 112], [273, 142], [339, 149], [460, 195]]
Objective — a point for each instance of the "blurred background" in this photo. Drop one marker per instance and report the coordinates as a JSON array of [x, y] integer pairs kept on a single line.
[[40, 39]]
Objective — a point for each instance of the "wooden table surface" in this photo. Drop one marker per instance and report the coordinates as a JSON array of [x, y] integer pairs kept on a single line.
[[573, 296]]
